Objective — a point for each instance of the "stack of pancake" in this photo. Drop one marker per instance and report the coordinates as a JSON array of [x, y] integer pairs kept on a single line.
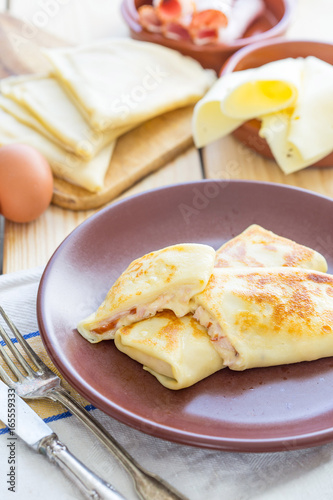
[[91, 96]]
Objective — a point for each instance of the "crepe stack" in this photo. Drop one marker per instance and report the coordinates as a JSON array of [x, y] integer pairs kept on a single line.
[[267, 301], [94, 94]]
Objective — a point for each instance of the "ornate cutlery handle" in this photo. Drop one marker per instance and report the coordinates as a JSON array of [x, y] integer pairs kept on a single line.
[[92, 486], [148, 486]]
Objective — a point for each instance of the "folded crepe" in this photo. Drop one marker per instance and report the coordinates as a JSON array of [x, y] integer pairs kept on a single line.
[[40, 98], [165, 279], [177, 351], [87, 174], [24, 116], [264, 317], [117, 82], [243, 95], [175, 354], [258, 247]]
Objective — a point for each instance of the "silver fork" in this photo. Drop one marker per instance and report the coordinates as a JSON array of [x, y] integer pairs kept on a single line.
[[40, 382]]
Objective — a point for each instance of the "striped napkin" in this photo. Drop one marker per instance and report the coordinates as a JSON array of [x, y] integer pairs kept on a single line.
[[197, 473], [24, 286]]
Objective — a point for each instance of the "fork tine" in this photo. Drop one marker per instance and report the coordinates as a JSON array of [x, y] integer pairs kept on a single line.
[[16, 353], [24, 344], [11, 365], [6, 378]]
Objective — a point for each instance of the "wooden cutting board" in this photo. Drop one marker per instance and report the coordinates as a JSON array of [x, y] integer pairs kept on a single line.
[[137, 153]]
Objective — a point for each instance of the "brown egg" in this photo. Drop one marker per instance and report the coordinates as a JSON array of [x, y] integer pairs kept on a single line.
[[26, 183]]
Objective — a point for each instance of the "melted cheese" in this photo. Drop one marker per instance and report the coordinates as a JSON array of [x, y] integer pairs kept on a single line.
[[177, 351]]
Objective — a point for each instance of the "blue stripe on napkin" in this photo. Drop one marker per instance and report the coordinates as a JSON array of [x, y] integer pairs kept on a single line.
[[27, 336], [53, 418], [65, 414]]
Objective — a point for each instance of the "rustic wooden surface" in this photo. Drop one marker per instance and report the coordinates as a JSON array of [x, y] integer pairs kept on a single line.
[[28, 245]]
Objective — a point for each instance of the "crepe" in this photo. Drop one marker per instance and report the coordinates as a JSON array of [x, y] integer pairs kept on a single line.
[[177, 351], [165, 279], [117, 82], [265, 317], [170, 348], [46, 107], [22, 115], [87, 174], [258, 247], [243, 95]]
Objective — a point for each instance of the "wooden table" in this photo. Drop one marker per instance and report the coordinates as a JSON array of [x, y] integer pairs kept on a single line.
[[29, 245]]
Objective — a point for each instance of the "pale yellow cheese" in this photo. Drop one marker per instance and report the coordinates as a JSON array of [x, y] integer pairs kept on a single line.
[[275, 130], [242, 95], [302, 135], [293, 98], [311, 124], [116, 82], [45, 102], [87, 174], [177, 351]]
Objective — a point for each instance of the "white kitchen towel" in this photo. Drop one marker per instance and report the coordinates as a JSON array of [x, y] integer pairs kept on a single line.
[[199, 474]]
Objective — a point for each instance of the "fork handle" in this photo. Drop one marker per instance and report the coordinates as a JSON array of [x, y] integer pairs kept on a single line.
[[92, 486], [148, 486]]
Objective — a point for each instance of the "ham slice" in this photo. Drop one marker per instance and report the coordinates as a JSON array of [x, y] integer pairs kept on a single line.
[[201, 21], [205, 26], [149, 19], [174, 10], [176, 31]]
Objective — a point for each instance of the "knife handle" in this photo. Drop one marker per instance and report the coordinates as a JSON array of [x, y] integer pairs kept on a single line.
[[92, 486], [147, 485]]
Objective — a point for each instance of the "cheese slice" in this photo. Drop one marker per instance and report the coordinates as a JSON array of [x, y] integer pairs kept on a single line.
[[311, 124], [275, 130], [243, 95], [264, 317], [87, 174], [258, 247], [117, 82], [164, 279], [177, 351], [44, 101]]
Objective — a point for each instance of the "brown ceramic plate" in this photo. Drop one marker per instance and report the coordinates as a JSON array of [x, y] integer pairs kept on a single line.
[[263, 53], [273, 22], [264, 409]]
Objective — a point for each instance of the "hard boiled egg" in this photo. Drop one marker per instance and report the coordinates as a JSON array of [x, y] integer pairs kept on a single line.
[[26, 183]]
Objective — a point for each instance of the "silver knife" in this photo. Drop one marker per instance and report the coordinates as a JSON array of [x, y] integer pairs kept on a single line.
[[27, 425]]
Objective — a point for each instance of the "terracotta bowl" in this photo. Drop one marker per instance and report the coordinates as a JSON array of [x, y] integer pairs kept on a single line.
[[272, 23], [262, 53]]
